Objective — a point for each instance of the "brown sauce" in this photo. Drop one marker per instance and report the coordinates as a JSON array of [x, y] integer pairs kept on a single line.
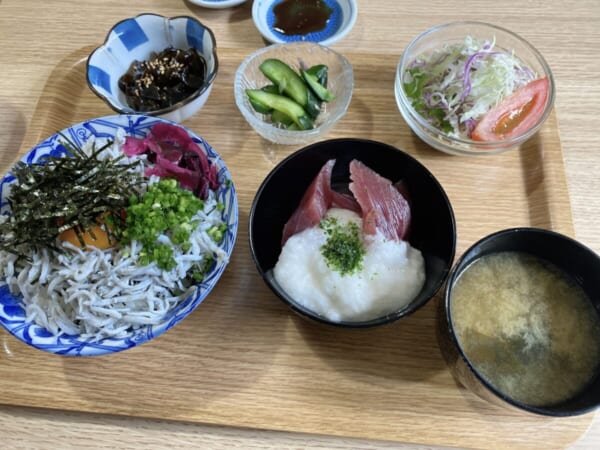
[[301, 16], [164, 79]]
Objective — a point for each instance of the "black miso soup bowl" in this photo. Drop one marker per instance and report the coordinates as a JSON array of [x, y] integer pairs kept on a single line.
[[433, 229], [570, 256]]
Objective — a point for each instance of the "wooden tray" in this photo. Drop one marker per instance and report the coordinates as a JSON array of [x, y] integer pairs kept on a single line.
[[244, 359]]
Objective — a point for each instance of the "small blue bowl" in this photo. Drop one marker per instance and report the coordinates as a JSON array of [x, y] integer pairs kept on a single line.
[[12, 311], [136, 39], [341, 21]]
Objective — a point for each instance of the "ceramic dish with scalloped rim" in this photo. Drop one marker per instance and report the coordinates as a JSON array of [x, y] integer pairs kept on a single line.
[[137, 39]]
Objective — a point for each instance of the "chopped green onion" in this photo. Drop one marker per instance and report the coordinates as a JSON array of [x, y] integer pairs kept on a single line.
[[164, 208]]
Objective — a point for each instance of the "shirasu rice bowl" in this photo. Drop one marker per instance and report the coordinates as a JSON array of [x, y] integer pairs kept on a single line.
[[107, 294]]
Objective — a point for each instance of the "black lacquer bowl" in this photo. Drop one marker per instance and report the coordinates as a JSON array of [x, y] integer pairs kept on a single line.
[[433, 229], [570, 256]]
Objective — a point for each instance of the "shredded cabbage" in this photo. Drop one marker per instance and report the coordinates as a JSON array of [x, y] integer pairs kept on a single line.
[[455, 86]]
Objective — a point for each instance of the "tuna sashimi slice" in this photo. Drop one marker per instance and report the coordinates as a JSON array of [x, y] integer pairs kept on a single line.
[[314, 204], [344, 201], [384, 208]]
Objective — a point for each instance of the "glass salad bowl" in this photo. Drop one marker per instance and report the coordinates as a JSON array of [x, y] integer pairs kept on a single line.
[[471, 88]]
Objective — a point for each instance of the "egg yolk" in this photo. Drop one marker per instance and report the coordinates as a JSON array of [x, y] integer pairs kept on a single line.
[[102, 240]]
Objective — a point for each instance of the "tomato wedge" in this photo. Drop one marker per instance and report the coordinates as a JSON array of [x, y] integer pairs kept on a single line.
[[516, 114]]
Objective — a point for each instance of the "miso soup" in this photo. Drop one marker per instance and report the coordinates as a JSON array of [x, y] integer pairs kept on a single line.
[[527, 328]]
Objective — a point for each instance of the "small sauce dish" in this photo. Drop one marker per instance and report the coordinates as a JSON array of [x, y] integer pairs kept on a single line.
[[321, 21]]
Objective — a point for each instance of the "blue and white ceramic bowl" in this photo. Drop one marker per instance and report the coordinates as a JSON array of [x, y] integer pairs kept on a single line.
[[12, 312], [341, 21], [135, 39]]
